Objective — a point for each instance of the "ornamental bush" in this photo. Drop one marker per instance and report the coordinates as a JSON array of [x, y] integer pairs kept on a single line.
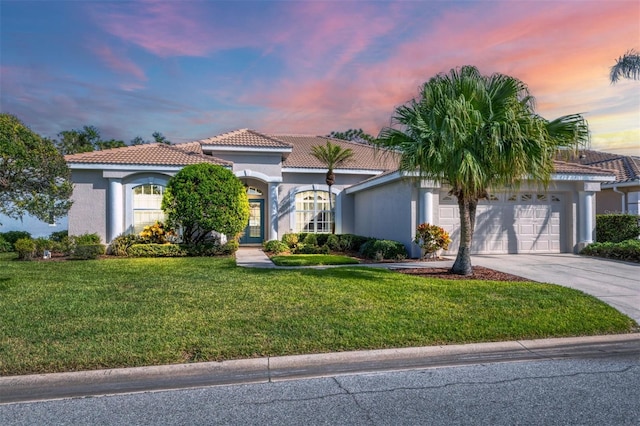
[[26, 248], [5, 246], [12, 236], [120, 245], [290, 240], [628, 250], [431, 238], [157, 250], [203, 198], [275, 247], [156, 234], [88, 251], [615, 228], [383, 249]]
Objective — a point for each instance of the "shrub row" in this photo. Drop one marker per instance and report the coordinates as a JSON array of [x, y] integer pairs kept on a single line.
[[173, 250], [306, 243], [86, 246], [614, 228], [628, 250]]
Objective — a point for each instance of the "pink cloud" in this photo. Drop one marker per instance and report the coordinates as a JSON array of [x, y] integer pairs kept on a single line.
[[118, 63]]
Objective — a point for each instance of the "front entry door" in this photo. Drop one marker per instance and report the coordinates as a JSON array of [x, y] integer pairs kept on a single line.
[[254, 232]]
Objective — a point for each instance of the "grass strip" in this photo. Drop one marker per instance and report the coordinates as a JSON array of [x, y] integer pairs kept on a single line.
[[79, 315], [312, 260]]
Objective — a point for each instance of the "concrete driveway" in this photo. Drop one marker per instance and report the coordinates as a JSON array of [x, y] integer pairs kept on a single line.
[[616, 283]]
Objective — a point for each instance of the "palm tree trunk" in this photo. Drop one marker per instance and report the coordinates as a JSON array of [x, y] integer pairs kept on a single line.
[[331, 216], [467, 207]]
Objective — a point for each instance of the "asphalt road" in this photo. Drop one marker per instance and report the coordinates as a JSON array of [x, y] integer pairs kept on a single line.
[[585, 388], [562, 392]]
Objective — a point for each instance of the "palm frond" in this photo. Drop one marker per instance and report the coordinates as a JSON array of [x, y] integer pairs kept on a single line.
[[627, 66]]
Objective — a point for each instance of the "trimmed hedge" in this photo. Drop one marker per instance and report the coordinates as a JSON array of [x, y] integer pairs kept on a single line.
[[156, 250], [383, 249], [614, 228], [88, 251], [628, 250], [275, 247]]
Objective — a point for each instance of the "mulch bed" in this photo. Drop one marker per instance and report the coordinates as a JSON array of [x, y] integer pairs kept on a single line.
[[479, 273]]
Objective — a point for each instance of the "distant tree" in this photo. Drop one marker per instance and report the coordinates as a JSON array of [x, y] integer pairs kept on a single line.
[[34, 178], [159, 138], [76, 141], [204, 197], [627, 66], [332, 156], [113, 143], [137, 141], [354, 135], [473, 133]]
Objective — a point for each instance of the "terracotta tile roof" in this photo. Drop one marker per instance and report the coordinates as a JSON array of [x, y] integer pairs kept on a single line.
[[626, 168], [562, 167], [148, 154], [245, 138], [365, 156]]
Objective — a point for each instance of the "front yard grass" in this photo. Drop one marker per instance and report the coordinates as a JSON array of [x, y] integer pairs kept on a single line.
[[313, 260], [78, 315]]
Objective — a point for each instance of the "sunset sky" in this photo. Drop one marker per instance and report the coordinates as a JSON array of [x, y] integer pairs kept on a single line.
[[194, 69]]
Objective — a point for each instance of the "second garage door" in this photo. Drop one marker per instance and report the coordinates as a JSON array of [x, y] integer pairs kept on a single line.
[[526, 222]]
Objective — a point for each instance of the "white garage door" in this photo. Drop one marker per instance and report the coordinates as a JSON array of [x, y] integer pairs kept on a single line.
[[526, 222]]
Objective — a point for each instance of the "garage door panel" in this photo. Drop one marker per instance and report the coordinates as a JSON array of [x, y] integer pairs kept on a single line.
[[533, 224]]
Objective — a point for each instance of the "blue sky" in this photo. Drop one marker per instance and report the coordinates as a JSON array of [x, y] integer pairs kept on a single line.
[[194, 69]]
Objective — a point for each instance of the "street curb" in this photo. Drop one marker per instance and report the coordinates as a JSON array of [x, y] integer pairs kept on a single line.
[[270, 369]]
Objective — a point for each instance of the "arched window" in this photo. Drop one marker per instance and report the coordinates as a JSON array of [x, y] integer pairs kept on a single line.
[[312, 211], [147, 202]]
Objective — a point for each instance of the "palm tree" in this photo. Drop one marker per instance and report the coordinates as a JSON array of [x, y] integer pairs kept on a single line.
[[332, 156], [627, 66], [474, 133]]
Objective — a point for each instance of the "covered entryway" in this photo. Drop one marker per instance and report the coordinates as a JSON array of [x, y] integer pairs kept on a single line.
[[254, 232], [527, 222]]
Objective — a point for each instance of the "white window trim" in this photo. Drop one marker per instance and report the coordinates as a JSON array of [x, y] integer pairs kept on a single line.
[[315, 187]]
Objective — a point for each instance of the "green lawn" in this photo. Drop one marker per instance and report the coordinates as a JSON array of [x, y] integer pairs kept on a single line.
[[313, 260], [62, 316]]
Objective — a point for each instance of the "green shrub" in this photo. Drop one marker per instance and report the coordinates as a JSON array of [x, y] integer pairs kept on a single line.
[[275, 247], [12, 236], [310, 249], [157, 233], [43, 244], [628, 250], [383, 249], [230, 247], [88, 251], [86, 239], [310, 240], [351, 242], [120, 245], [614, 228], [291, 240], [59, 236], [333, 242], [5, 246], [321, 239], [26, 248], [157, 250]]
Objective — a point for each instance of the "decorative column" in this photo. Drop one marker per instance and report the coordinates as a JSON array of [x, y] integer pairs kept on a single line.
[[585, 203], [425, 205], [273, 211], [116, 209]]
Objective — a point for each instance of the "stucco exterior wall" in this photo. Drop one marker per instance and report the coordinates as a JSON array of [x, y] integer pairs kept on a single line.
[[88, 213], [387, 212]]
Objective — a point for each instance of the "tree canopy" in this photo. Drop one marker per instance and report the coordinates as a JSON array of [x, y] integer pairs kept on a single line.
[[474, 133], [202, 198], [627, 66], [354, 135], [34, 178]]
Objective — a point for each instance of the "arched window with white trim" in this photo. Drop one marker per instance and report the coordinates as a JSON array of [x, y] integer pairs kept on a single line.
[[312, 212], [147, 205]]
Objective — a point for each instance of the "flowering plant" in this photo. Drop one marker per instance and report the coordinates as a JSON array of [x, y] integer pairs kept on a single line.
[[431, 238], [156, 233]]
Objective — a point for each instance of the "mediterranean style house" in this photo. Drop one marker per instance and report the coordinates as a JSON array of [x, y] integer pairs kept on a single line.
[[120, 190]]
